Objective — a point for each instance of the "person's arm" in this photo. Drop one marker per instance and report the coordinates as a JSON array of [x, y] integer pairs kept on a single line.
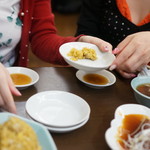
[[44, 40]]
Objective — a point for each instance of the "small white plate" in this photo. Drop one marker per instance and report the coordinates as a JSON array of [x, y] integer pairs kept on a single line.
[[121, 111], [103, 61], [57, 108], [65, 129], [111, 78], [29, 72]]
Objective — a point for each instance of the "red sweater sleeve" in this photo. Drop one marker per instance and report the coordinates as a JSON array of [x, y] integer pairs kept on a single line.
[[44, 40]]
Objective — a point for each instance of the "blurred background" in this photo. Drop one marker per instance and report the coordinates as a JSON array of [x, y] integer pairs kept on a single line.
[[66, 15], [66, 6]]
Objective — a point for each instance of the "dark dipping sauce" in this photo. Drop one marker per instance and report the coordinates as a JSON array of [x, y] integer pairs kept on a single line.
[[95, 79], [144, 89]]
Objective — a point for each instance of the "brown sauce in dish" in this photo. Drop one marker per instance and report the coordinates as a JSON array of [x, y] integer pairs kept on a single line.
[[95, 79], [129, 125], [20, 79], [144, 89]]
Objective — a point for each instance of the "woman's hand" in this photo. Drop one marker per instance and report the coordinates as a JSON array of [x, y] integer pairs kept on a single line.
[[101, 44], [7, 88], [132, 54]]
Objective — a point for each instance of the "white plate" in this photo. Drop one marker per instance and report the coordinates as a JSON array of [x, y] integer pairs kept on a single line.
[[103, 61], [120, 112], [29, 72], [65, 129], [57, 108], [42, 133], [111, 78]]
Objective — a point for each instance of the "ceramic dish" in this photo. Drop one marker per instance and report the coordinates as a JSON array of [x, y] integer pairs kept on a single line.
[[42, 133], [65, 129], [141, 98], [103, 61], [57, 108], [26, 71], [110, 77], [121, 111]]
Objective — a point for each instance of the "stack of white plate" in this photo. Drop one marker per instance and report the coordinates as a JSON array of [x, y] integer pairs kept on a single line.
[[59, 111]]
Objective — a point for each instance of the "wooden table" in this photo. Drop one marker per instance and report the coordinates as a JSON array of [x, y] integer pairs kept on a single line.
[[103, 103]]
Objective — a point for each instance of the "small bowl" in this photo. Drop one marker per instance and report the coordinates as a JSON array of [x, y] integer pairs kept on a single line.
[[141, 98], [29, 72], [111, 78], [103, 61]]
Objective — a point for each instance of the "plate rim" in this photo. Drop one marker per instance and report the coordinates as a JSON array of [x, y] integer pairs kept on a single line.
[[62, 130]]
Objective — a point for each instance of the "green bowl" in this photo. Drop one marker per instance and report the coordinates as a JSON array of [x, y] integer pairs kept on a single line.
[[44, 137], [141, 98]]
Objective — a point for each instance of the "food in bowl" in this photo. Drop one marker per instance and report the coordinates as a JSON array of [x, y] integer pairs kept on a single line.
[[15, 134], [144, 89], [95, 79], [84, 53], [20, 79], [134, 132]]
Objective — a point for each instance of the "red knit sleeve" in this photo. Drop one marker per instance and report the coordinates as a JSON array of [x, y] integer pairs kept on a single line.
[[44, 40]]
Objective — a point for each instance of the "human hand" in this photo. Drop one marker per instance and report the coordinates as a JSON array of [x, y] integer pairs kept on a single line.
[[7, 88], [101, 44], [132, 54]]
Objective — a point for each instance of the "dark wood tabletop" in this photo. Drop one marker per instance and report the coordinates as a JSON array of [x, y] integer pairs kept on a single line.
[[102, 102]]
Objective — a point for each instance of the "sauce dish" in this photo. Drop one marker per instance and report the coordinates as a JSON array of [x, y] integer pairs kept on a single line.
[[111, 79], [25, 72]]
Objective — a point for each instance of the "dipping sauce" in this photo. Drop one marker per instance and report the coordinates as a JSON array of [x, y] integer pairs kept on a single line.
[[144, 89], [132, 124], [20, 79], [95, 79]]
